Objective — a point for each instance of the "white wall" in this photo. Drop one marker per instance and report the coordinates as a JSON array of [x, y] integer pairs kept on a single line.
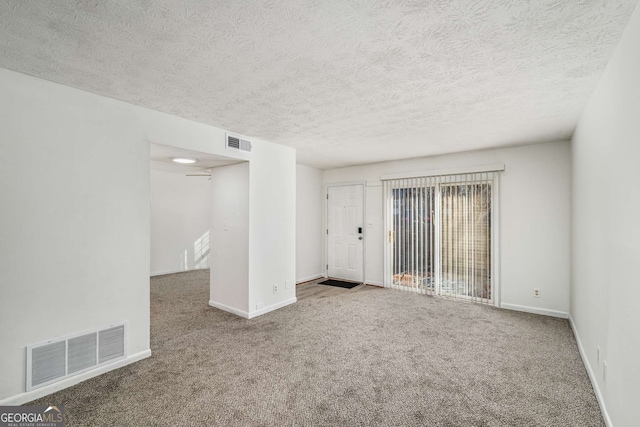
[[272, 202], [271, 233], [180, 222], [309, 241], [230, 232], [535, 192], [605, 288], [74, 219], [272, 226]]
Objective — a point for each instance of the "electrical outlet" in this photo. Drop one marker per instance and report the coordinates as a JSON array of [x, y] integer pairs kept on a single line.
[[369, 225], [536, 293], [598, 356], [275, 288], [604, 371]]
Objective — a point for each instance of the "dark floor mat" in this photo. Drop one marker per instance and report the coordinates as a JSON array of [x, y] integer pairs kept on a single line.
[[339, 283]]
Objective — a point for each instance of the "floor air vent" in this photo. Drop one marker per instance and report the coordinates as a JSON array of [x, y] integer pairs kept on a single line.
[[237, 142], [55, 360], [82, 353], [111, 344], [48, 363]]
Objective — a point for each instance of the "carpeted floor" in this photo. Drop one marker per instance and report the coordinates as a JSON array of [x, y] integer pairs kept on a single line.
[[369, 357]]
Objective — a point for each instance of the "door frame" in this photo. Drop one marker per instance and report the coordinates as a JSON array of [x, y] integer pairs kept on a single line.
[[325, 222]]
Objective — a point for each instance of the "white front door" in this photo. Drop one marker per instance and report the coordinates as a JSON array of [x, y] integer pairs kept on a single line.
[[346, 232]]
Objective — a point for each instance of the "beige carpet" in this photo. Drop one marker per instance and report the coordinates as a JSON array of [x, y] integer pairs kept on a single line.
[[371, 357]]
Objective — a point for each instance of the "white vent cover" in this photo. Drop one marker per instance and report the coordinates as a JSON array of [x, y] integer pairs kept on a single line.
[[237, 142], [48, 363], [111, 344], [82, 352], [55, 360]]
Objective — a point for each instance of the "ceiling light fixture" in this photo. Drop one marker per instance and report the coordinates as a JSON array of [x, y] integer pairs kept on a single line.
[[183, 160]]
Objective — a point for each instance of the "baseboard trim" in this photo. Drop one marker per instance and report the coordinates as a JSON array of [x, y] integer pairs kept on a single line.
[[374, 283], [535, 310], [162, 273], [251, 315], [229, 309], [22, 398], [265, 310], [592, 375], [308, 279]]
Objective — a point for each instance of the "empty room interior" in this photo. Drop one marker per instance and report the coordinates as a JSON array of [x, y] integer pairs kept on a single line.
[[320, 212]]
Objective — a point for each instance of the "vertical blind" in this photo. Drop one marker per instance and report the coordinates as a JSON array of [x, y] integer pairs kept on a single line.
[[439, 231]]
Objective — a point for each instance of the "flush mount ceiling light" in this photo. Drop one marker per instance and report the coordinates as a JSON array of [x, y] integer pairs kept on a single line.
[[183, 160]]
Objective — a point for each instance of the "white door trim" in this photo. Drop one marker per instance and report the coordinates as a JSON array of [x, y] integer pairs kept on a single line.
[[325, 220]]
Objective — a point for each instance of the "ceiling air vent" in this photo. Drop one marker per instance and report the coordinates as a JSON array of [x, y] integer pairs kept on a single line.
[[233, 142], [237, 142]]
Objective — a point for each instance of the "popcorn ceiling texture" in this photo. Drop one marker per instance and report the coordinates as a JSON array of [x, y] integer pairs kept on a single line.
[[345, 82]]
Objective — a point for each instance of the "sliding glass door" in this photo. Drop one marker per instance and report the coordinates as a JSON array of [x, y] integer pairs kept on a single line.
[[439, 235], [413, 235]]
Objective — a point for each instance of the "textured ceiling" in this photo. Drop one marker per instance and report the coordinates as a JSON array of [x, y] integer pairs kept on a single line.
[[345, 82]]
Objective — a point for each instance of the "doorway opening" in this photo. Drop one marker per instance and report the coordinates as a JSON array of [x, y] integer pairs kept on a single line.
[[181, 203]]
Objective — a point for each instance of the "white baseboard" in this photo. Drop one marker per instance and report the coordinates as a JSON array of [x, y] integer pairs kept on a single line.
[[272, 307], [309, 278], [256, 313], [535, 310], [22, 398], [162, 273], [229, 309], [374, 283], [592, 375]]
